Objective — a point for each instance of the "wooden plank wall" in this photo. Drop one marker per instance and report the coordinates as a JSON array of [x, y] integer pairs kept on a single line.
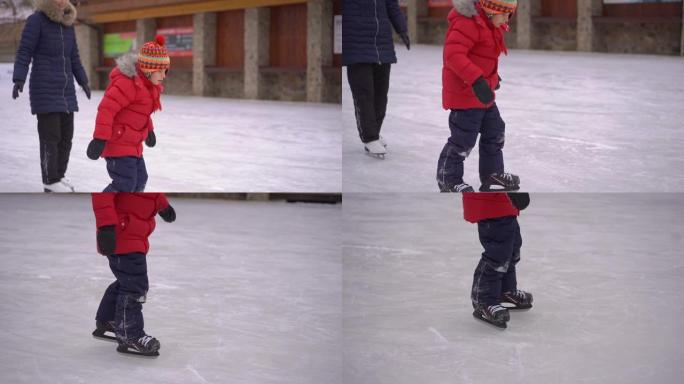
[[288, 37], [230, 39]]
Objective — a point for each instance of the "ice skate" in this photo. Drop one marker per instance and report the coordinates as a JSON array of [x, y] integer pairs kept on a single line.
[[500, 182], [458, 188], [383, 142], [65, 180], [146, 346], [58, 187], [102, 328], [517, 300], [495, 315], [375, 149]]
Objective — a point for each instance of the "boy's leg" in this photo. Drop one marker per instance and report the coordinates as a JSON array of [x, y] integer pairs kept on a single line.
[[49, 134], [381, 81], [124, 174], [492, 138], [107, 308], [497, 237], [360, 77], [464, 125], [131, 273], [64, 146], [142, 175], [509, 282]]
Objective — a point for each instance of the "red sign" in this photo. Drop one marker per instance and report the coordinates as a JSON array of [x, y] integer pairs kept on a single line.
[[178, 41]]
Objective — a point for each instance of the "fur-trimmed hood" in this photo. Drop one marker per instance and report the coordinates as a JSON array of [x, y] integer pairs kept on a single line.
[[52, 11], [466, 8], [126, 64]]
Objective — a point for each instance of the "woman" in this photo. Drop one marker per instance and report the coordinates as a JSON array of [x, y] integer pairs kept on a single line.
[[368, 53], [49, 41]]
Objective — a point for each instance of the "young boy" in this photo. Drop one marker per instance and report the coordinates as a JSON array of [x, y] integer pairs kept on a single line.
[[124, 116], [473, 44], [124, 223], [495, 281]]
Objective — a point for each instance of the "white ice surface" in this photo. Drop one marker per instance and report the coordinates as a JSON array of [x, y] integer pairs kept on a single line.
[[203, 145], [240, 292], [606, 272], [575, 122]]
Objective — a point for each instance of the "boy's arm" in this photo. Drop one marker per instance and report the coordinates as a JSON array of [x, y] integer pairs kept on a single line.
[[103, 207], [118, 96], [150, 124], [459, 42], [396, 16], [29, 41], [162, 202]]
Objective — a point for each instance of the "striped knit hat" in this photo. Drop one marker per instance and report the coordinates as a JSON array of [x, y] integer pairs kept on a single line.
[[153, 56], [499, 6]]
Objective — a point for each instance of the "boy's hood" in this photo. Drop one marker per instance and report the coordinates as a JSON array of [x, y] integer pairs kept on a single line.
[[467, 8], [126, 65]]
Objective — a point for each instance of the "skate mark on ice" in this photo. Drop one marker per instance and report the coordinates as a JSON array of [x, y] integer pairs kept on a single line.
[[399, 251], [440, 338], [587, 144], [194, 371]]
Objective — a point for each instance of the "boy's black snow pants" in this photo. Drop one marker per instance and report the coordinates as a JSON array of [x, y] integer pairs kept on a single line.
[[123, 299]]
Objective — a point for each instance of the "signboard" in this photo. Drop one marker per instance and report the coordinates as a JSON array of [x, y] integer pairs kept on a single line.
[[178, 41], [337, 35], [116, 44]]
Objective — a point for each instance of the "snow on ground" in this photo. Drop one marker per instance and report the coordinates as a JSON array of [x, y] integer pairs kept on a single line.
[[606, 271], [240, 292], [203, 145], [575, 122]]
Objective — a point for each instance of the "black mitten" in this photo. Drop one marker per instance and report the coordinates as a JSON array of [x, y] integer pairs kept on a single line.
[[151, 139], [482, 91], [168, 214], [18, 88], [519, 200], [95, 148], [106, 240]]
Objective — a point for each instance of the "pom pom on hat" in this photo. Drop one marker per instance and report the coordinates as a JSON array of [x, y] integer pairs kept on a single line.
[[154, 56]]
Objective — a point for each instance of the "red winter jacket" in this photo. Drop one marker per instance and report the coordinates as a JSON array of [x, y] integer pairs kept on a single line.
[[480, 206], [124, 115], [132, 214], [471, 50]]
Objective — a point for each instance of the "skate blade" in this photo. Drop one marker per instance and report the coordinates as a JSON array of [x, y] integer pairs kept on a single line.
[[490, 323], [488, 188], [101, 335], [125, 351], [380, 156], [514, 307]]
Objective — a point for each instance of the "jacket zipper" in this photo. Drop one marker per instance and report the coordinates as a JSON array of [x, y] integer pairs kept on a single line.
[[377, 29], [61, 32]]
